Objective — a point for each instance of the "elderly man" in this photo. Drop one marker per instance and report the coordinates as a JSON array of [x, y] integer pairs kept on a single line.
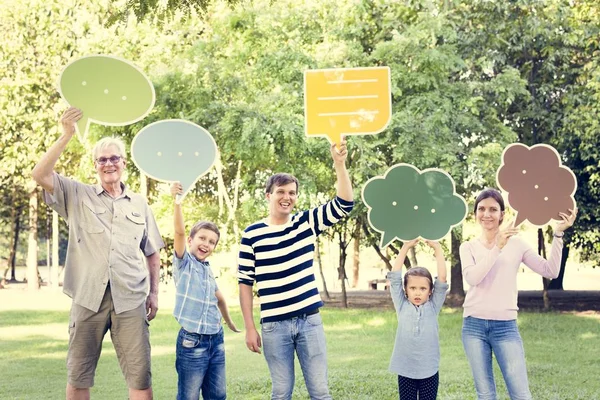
[[111, 231]]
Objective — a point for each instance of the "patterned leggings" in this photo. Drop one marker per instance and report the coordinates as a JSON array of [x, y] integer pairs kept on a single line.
[[418, 389]]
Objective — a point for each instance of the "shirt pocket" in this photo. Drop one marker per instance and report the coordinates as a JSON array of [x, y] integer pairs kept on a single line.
[[91, 222], [136, 225]]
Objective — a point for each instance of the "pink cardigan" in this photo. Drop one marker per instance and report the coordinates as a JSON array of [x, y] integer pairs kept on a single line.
[[492, 275]]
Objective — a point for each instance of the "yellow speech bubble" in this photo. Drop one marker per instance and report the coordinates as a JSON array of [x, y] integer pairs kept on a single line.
[[346, 101]]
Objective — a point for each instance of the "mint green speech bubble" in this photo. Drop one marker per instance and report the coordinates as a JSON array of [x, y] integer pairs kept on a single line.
[[407, 203], [174, 150], [108, 90]]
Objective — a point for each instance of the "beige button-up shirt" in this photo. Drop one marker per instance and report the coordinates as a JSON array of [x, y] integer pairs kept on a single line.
[[108, 241]]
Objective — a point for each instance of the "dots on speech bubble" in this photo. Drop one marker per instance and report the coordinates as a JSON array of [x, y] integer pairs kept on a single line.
[[196, 154], [159, 153], [105, 91], [180, 154], [416, 208], [524, 171], [537, 186], [124, 98], [433, 210], [83, 83], [394, 203], [545, 198]]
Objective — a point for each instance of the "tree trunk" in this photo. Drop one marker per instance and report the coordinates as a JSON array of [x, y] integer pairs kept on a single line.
[[48, 243], [412, 256], [318, 255], [356, 257], [14, 237], [545, 281], [342, 267], [55, 243], [557, 284], [32, 242], [375, 246], [456, 278]]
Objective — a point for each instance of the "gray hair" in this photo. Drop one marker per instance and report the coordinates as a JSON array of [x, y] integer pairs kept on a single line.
[[106, 142]]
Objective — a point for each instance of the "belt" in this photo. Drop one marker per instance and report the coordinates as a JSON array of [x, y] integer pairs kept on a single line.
[[313, 312]]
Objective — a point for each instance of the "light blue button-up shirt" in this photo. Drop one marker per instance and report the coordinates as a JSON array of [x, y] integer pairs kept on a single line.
[[416, 352], [196, 301]]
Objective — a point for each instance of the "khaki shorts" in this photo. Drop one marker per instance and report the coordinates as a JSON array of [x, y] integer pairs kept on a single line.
[[130, 337]]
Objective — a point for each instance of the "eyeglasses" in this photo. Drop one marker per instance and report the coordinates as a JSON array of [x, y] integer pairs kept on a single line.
[[113, 160]]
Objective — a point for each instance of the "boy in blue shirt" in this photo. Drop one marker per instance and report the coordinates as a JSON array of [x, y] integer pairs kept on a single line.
[[199, 305]]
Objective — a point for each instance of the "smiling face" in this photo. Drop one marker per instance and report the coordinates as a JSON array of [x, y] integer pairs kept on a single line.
[[282, 200], [109, 173], [417, 289], [203, 243], [489, 214]]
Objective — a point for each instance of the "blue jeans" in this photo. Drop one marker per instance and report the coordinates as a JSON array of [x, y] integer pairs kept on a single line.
[[305, 336], [200, 364], [480, 338]]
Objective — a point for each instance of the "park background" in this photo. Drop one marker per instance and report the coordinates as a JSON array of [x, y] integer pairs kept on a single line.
[[468, 78]]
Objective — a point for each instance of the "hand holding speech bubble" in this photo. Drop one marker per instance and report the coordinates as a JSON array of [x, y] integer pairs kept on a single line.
[[174, 150], [407, 203], [347, 101], [108, 90], [538, 185]]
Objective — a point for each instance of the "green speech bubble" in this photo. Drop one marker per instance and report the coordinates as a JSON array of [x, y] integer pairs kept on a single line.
[[407, 203], [109, 91]]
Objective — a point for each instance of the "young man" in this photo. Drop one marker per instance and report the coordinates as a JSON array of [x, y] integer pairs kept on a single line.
[[277, 253], [112, 265]]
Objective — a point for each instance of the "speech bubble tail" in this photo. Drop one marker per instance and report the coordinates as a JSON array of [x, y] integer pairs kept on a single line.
[[335, 138], [386, 240], [82, 128], [518, 220]]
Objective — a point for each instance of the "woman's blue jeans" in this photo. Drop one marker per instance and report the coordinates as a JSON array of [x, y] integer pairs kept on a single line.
[[481, 338], [200, 365], [305, 336]]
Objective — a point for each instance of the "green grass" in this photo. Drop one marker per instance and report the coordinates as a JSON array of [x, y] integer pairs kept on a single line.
[[562, 357]]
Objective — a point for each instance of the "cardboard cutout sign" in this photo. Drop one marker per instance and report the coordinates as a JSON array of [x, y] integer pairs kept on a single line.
[[538, 185], [108, 90], [407, 203], [174, 150], [346, 101]]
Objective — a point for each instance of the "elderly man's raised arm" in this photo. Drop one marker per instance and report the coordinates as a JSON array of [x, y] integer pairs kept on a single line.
[[44, 170]]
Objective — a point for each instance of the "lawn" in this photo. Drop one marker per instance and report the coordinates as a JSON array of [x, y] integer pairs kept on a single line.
[[563, 353]]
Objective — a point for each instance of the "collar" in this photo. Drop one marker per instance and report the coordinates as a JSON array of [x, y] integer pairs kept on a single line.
[[99, 190]]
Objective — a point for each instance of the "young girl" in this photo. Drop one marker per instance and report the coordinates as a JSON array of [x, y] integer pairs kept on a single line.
[[200, 358], [490, 264], [416, 356]]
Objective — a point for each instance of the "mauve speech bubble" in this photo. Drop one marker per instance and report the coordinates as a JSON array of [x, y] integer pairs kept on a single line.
[[538, 185]]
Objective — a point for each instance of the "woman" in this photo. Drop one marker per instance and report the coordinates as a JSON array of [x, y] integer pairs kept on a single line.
[[490, 264]]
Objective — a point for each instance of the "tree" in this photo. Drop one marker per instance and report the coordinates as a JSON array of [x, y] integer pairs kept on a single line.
[[550, 43]]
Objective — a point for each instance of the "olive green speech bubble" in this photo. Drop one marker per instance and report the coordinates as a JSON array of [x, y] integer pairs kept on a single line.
[[407, 203], [108, 90]]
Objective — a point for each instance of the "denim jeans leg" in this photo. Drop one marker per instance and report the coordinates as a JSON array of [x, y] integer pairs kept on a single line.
[[478, 350], [214, 385], [312, 354], [278, 346], [192, 358], [508, 348]]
